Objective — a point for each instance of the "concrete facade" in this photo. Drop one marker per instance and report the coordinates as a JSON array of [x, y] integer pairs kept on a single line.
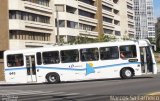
[[92, 18], [25, 24], [4, 40]]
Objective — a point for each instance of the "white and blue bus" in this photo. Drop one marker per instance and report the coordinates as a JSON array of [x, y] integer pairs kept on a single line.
[[80, 62]]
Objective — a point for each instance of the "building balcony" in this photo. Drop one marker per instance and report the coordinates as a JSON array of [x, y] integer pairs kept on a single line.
[[107, 3], [107, 14], [67, 31], [26, 6], [130, 12], [116, 27], [22, 44], [130, 21], [130, 2], [116, 6], [29, 7], [67, 16], [88, 21], [89, 34], [87, 7], [107, 25], [72, 3], [131, 30], [36, 7], [15, 24]]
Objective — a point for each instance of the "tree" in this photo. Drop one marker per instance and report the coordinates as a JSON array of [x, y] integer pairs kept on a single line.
[[152, 40], [85, 39], [105, 38]]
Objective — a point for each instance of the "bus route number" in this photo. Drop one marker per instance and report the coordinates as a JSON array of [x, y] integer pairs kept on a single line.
[[12, 73]]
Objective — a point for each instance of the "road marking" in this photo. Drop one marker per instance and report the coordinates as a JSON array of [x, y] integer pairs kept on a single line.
[[33, 92], [28, 92]]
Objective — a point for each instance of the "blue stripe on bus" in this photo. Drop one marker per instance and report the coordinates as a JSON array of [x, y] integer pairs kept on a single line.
[[74, 69], [108, 66]]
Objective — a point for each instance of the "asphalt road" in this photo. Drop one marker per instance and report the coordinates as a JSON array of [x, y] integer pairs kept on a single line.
[[97, 90]]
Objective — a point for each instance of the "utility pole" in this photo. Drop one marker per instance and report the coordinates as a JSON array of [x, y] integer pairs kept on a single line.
[[57, 38]]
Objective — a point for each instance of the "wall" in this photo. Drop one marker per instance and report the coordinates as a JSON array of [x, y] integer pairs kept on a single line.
[[4, 41]]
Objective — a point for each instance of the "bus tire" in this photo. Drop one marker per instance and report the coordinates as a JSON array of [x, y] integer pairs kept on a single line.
[[53, 78], [126, 73]]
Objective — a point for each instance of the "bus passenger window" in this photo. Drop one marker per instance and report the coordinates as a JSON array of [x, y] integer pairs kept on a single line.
[[109, 53], [128, 51], [122, 55], [39, 59], [50, 57], [15, 60], [89, 54], [69, 56]]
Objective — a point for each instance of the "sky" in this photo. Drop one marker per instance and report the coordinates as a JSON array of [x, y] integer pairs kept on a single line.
[[156, 4]]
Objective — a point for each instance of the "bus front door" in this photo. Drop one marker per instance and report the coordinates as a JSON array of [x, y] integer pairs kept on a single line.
[[31, 68], [146, 60]]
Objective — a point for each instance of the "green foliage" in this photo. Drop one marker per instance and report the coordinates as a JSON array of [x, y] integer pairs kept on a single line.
[[61, 39], [105, 38], [152, 40], [85, 39]]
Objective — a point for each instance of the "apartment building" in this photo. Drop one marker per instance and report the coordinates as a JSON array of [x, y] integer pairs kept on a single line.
[[92, 18], [144, 20], [127, 19], [25, 24]]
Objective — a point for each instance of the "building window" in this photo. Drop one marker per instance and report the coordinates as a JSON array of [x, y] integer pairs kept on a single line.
[[41, 2], [61, 23], [109, 20], [86, 27], [108, 31], [86, 14], [71, 10], [28, 16], [109, 9], [90, 2], [1, 54], [71, 24], [118, 33], [26, 35]]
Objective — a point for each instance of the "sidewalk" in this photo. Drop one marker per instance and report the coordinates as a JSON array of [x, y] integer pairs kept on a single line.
[[154, 93], [158, 66], [4, 83]]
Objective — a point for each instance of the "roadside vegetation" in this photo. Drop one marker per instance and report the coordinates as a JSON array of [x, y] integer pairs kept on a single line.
[[157, 57], [85, 39]]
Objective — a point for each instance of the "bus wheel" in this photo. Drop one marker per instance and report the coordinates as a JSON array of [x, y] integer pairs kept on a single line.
[[126, 73], [53, 78]]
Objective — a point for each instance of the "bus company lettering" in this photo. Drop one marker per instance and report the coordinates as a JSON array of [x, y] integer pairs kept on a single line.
[[75, 66]]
